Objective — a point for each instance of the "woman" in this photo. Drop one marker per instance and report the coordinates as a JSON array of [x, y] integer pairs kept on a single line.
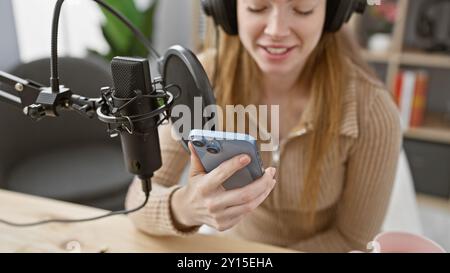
[[340, 139]]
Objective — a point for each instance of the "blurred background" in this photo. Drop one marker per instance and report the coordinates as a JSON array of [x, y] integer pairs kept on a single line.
[[406, 42]]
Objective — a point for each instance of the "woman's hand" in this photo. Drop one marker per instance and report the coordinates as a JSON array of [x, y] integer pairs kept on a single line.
[[205, 201]]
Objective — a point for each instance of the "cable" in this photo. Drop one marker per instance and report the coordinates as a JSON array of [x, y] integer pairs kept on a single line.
[[130, 25], [146, 185], [54, 79], [44, 222]]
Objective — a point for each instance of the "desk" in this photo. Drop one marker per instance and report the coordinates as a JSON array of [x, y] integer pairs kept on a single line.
[[115, 234]]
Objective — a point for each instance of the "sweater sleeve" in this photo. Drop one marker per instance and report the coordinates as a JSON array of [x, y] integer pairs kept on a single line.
[[370, 173], [156, 217]]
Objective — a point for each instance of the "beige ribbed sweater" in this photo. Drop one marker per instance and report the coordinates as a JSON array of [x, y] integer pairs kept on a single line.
[[356, 180]]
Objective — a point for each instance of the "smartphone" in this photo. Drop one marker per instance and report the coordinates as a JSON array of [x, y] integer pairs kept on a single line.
[[215, 147]]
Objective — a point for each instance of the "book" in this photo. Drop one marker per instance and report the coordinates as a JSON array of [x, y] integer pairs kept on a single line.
[[420, 99], [410, 92], [398, 87], [406, 97]]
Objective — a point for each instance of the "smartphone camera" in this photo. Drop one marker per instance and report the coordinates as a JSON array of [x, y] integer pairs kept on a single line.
[[199, 142], [213, 147]]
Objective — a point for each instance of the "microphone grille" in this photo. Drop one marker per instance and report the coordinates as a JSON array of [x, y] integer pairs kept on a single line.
[[130, 74]]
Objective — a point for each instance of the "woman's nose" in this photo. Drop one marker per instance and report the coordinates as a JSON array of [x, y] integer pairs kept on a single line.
[[277, 26]]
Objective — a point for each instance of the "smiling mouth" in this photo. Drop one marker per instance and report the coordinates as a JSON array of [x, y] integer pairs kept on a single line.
[[277, 50]]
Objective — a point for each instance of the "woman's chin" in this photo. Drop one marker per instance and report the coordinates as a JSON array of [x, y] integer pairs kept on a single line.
[[276, 70]]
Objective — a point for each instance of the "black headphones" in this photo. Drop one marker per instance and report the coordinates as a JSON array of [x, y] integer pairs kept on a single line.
[[224, 13]]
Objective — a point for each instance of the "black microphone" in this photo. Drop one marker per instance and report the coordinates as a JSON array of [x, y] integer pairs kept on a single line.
[[136, 106], [133, 96]]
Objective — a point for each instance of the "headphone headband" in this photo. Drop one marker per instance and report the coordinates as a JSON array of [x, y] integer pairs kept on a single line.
[[224, 13]]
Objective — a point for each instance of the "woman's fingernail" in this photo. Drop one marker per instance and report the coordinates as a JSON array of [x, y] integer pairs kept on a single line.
[[273, 171], [244, 159]]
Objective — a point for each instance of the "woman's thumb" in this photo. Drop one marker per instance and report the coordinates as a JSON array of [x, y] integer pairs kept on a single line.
[[196, 164]]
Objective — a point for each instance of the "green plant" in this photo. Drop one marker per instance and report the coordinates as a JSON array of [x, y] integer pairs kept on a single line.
[[120, 39]]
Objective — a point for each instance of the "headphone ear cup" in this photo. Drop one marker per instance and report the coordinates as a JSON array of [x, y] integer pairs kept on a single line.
[[224, 14], [337, 11], [207, 8]]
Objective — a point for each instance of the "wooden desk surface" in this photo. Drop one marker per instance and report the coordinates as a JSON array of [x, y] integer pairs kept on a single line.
[[114, 234]]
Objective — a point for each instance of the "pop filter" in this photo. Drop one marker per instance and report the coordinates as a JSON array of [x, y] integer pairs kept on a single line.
[[180, 69]]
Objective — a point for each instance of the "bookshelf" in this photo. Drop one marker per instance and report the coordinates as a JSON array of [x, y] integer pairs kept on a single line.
[[409, 58], [435, 129]]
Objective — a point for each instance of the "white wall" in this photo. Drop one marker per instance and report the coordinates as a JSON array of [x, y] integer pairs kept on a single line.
[[80, 26], [174, 24], [9, 53]]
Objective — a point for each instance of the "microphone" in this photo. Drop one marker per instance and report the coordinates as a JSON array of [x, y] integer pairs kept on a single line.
[[133, 97], [136, 106]]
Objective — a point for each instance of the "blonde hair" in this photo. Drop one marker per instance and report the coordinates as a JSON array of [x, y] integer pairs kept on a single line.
[[326, 73]]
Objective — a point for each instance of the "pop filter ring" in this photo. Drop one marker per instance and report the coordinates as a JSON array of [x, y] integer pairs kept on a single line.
[[202, 87]]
